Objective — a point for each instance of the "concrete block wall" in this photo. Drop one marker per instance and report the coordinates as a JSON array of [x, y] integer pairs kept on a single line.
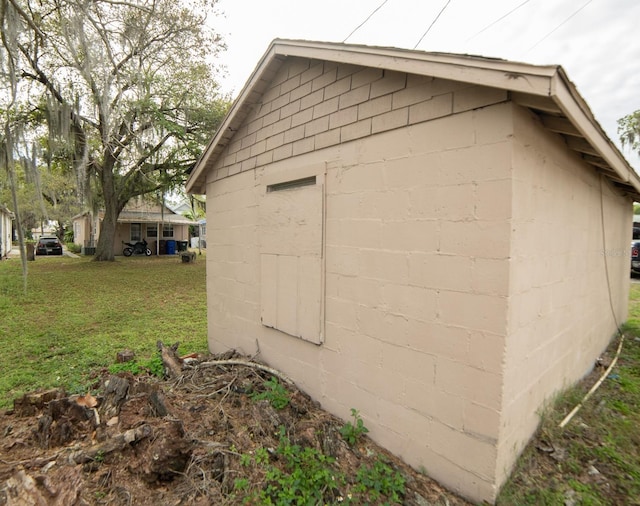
[[313, 105], [450, 289], [559, 317], [417, 268], [417, 276]]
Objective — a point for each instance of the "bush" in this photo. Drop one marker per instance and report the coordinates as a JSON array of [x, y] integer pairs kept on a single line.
[[73, 247]]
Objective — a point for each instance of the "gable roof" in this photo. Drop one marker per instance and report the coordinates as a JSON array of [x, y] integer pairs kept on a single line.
[[149, 217], [546, 90], [129, 216]]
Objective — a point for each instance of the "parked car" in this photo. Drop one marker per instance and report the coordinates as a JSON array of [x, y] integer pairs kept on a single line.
[[49, 245], [635, 258]]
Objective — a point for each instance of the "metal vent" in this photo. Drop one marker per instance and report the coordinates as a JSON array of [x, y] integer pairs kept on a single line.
[[289, 185]]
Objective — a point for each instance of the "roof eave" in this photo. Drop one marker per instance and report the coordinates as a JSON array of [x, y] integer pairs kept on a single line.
[[542, 88], [616, 167], [489, 71]]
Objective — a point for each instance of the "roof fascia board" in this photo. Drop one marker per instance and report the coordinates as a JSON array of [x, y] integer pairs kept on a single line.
[[486, 72], [524, 80], [577, 111], [505, 75]]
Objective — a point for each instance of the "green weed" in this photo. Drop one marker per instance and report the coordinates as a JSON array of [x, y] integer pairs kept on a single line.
[[293, 474], [351, 432], [275, 393], [597, 455], [153, 366], [304, 475], [380, 480]]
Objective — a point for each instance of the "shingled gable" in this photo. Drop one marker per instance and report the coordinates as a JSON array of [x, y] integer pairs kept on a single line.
[[546, 90]]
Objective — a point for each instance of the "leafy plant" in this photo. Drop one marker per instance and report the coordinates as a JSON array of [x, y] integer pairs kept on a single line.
[[351, 432], [73, 247], [275, 393], [305, 476], [380, 480], [241, 484], [153, 366]]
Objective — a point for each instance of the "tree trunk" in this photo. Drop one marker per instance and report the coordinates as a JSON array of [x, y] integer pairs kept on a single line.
[[105, 249]]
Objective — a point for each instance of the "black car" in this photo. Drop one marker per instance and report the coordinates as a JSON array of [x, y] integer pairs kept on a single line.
[[49, 246], [635, 257]]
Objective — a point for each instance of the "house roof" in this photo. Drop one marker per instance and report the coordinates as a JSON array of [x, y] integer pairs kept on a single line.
[[148, 217], [546, 90], [5, 210]]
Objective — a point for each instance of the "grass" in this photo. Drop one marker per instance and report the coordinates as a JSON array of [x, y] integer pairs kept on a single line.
[[77, 314], [595, 459]]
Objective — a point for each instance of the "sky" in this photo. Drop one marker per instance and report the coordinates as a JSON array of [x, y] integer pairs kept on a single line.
[[595, 41]]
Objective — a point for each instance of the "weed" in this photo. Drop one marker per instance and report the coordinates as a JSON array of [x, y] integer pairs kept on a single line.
[[241, 484], [305, 475], [587, 494], [306, 479], [351, 432], [275, 393], [153, 366], [379, 480]]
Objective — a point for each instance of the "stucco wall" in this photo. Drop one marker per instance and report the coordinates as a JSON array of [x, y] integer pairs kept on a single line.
[[81, 230], [559, 311]]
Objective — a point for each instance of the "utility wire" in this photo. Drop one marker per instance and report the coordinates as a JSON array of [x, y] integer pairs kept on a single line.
[[561, 24], [368, 18], [432, 23], [498, 20]]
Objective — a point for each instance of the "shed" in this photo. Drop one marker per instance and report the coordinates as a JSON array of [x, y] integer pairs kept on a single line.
[[432, 239]]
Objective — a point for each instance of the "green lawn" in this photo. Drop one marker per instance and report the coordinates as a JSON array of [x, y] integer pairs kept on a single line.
[[77, 314]]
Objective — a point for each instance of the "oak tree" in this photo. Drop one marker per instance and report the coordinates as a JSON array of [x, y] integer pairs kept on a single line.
[[127, 90]]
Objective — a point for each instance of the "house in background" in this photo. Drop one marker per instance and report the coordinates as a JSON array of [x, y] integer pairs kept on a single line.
[[6, 231], [166, 231], [199, 230], [418, 236]]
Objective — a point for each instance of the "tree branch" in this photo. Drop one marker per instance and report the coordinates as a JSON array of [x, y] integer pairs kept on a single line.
[[247, 363], [28, 20]]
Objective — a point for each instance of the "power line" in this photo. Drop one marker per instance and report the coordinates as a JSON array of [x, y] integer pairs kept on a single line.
[[561, 24], [498, 20], [432, 23], [361, 24]]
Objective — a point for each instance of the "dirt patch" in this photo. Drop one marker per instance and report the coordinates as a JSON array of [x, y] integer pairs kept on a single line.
[[202, 437]]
